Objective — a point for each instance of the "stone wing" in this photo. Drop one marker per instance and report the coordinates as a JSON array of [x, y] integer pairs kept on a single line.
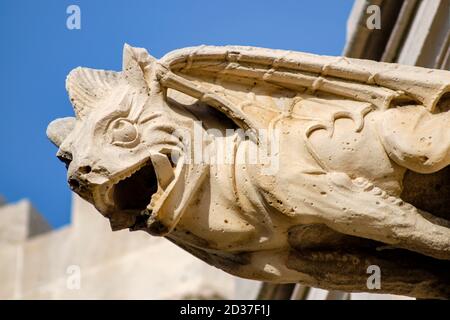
[[252, 86]]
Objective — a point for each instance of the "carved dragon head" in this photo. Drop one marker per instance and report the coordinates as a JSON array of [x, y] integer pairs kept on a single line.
[[120, 156]]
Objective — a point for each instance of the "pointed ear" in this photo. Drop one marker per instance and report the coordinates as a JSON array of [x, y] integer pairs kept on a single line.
[[87, 86], [137, 65], [59, 129]]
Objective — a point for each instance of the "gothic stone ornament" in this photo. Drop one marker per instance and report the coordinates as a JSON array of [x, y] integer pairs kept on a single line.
[[358, 172]]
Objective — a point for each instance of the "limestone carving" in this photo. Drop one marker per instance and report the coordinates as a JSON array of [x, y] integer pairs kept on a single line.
[[271, 165]]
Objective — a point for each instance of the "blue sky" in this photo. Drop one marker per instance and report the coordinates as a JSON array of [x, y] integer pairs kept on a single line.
[[38, 51]]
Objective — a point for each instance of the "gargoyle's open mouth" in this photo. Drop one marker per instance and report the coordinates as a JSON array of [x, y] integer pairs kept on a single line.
[[140, 196], [134, 193]]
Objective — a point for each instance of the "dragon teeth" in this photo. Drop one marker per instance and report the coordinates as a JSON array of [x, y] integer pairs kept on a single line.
[[129, 174]]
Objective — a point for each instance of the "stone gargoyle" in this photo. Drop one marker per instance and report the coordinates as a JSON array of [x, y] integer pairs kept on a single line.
[[272, 165]]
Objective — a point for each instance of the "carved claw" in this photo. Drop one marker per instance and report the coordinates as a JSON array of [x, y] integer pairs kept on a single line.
[[371, 213]]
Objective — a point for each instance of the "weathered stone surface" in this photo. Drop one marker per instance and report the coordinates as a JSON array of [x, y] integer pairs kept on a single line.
[[313, 191]]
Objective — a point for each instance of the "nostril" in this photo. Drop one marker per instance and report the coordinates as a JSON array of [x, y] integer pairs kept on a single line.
[[74, 184], [85, 169]]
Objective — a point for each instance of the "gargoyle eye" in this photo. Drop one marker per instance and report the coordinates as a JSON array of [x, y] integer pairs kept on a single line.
[[124, 132]]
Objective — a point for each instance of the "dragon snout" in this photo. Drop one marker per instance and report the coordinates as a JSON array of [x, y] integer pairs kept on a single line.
[[80, 185], [81, 175], [76, 176]]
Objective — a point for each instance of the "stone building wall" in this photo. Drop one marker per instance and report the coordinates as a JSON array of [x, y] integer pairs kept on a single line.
[[39, 263]]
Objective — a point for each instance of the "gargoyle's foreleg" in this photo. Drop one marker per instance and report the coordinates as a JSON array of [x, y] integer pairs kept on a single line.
[[357, 207], [416, 139]]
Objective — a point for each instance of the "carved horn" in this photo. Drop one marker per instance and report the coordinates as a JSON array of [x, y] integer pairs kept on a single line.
[[59, 129], [136, 65], [87, 86]]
